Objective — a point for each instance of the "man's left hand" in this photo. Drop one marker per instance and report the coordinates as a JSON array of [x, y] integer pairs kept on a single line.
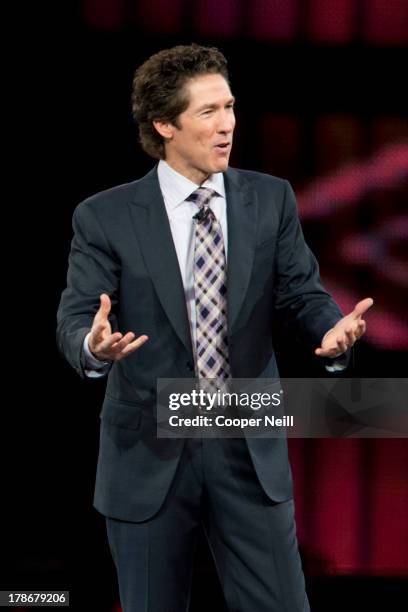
[[346, 331]]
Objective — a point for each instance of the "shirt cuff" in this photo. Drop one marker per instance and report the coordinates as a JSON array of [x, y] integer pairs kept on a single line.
[[338, 364]]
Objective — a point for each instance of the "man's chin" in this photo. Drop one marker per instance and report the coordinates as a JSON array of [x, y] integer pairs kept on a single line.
[[217, 166], [221, 166]]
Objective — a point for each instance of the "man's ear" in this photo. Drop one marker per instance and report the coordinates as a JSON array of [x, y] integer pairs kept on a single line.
[[165, 129]]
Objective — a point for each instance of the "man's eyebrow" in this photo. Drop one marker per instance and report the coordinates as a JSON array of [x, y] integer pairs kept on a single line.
[[213, 105]]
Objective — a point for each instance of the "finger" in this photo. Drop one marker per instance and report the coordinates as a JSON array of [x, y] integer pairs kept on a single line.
[[342, 344], [350, 337], [120, 345], [362, 307], [104, 308], [97, 333], [133, 346], [362, 326], [105, 347], [332, 352], [337, 348]]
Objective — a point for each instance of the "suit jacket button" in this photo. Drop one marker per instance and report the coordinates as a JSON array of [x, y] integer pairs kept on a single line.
[[190, 366]]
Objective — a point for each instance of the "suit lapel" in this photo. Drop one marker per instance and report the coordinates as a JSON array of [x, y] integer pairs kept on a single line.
[[242, 218], [152, 227], [154, 235]]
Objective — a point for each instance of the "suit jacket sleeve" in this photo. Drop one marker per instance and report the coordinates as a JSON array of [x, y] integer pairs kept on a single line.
[[299, 296], [93, 269]]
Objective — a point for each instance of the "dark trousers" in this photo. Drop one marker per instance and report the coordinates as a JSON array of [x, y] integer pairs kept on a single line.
[[252, 539]]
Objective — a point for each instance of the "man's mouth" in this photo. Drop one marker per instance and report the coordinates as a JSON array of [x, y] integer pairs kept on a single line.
[[223, 146]]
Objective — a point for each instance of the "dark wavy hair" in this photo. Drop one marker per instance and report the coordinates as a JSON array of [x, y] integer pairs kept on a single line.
[[158, 92]]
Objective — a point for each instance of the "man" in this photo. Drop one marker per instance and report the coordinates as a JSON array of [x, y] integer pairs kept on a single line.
[[148, 297]]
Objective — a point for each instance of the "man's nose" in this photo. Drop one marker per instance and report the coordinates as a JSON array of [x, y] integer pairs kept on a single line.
[[226, 122]]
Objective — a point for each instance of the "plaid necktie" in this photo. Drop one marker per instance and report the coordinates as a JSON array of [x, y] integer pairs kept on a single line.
[[210, 287]]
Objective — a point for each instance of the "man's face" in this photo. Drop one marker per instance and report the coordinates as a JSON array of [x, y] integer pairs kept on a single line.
[[202, 143]]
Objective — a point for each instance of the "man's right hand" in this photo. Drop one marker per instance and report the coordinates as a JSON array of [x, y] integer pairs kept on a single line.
[[106, 346]]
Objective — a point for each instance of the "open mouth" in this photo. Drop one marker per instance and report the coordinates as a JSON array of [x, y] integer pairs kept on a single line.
[[223, 147]]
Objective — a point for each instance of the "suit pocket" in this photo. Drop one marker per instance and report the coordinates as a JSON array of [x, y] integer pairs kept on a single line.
[[121, 414]]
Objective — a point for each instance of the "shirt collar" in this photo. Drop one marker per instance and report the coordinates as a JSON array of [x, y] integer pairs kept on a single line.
[[176, 188]]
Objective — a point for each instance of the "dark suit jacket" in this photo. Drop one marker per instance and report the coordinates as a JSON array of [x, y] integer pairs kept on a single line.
[[123, 246]]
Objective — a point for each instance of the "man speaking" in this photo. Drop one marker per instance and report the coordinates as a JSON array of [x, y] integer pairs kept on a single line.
[[180, 274]]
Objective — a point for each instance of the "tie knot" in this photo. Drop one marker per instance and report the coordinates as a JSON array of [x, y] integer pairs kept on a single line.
[[201, 196]]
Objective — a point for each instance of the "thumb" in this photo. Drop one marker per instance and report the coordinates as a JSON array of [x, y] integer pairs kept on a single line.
[[362, 307], [105, 306]]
